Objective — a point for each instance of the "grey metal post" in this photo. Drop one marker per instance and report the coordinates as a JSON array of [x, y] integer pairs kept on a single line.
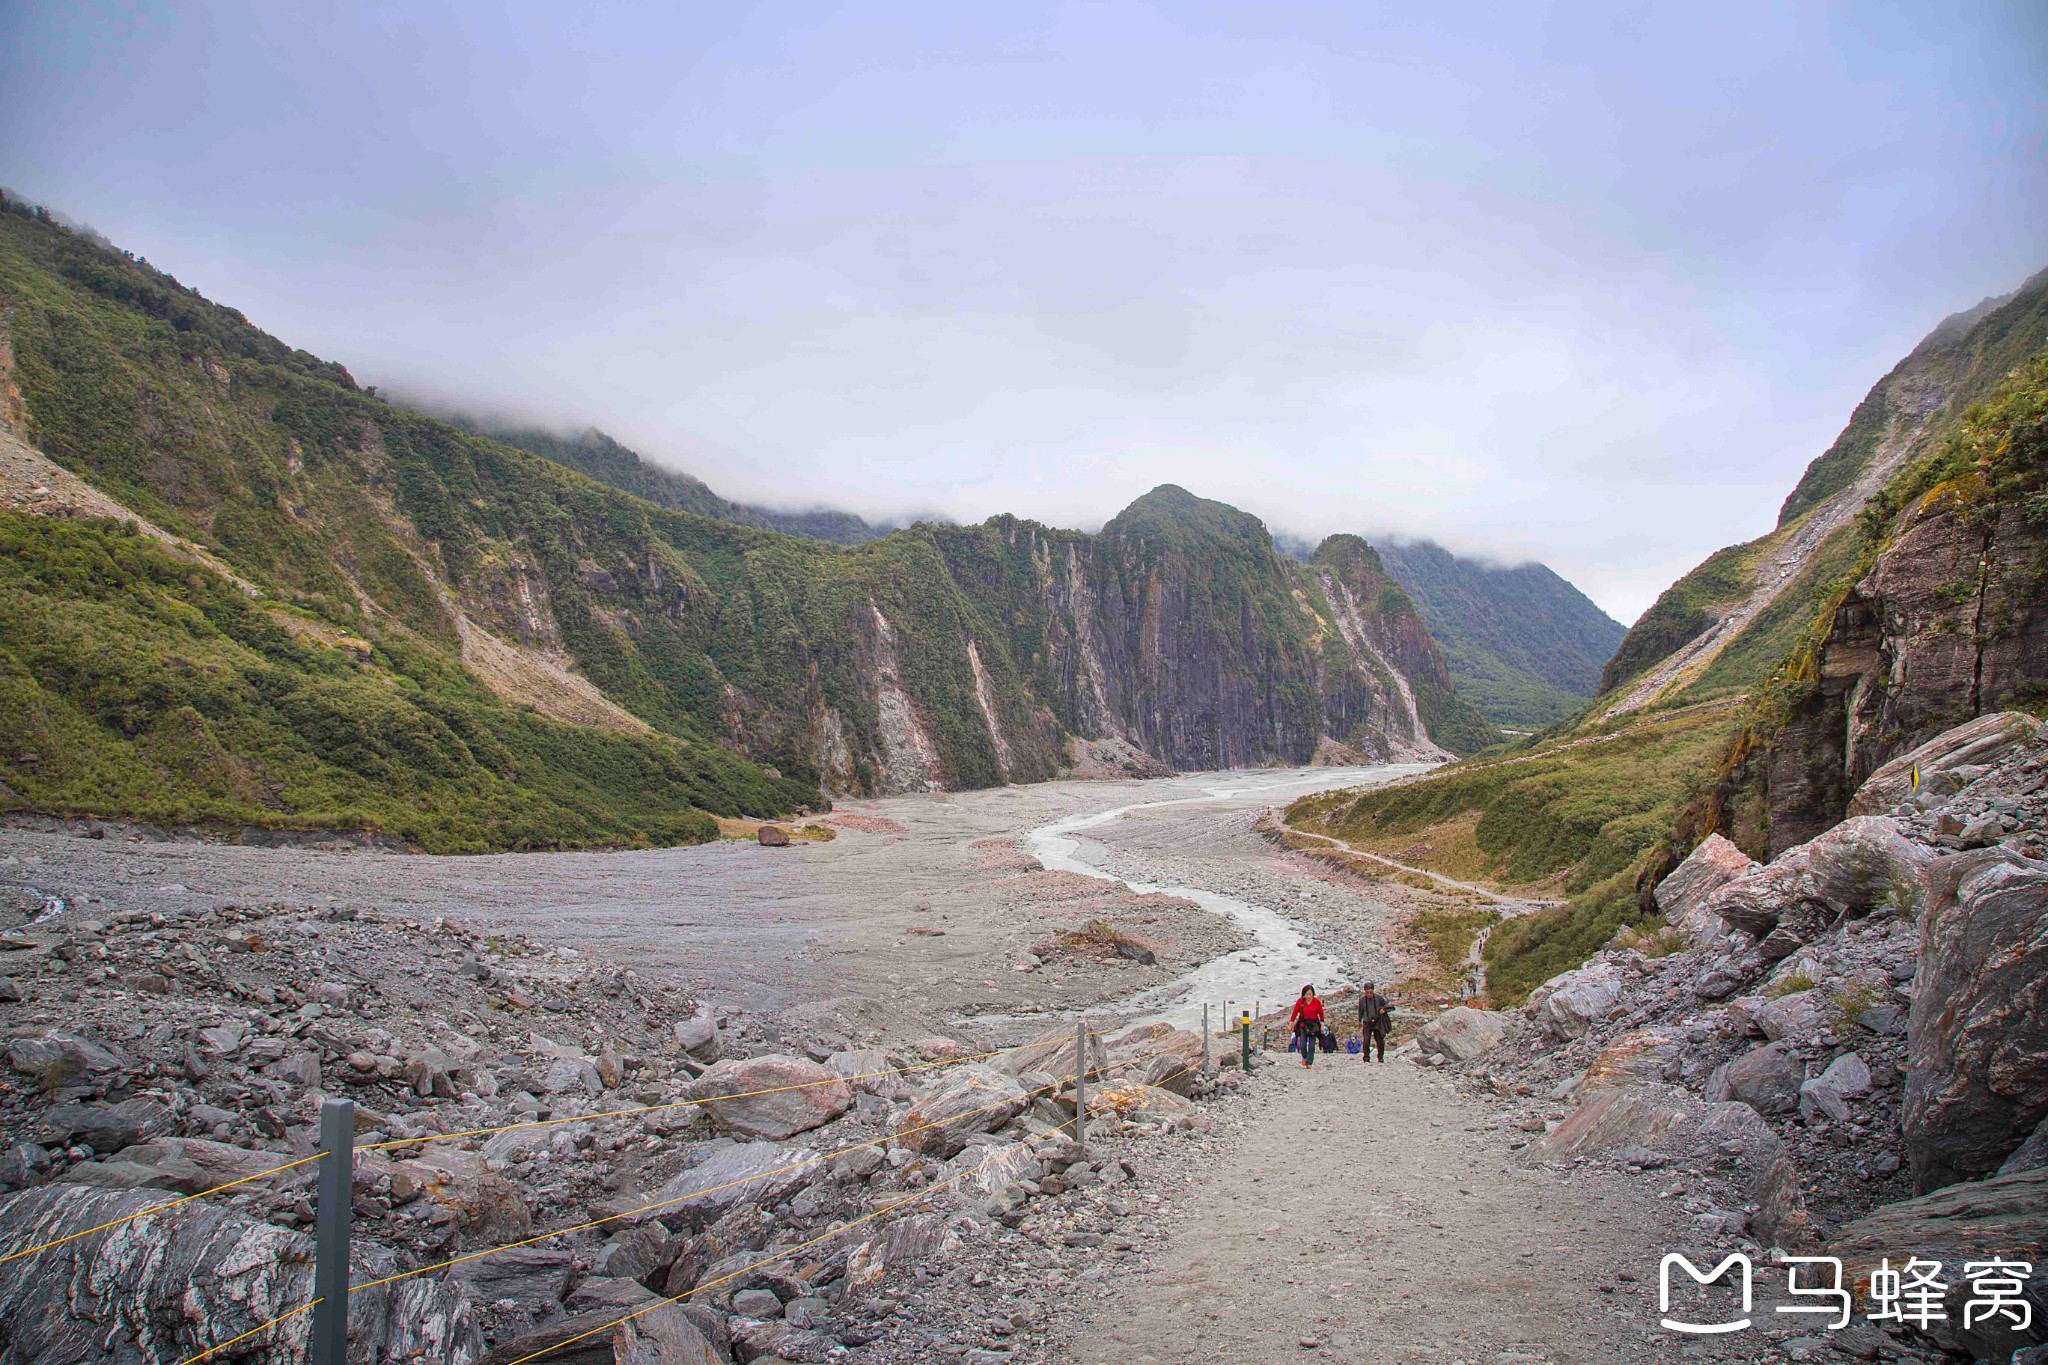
[[1205, 1039], [330, 1237], [1081, 1082]]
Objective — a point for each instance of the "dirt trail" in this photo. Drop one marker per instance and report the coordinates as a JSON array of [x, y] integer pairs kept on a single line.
[[1368, 1212]]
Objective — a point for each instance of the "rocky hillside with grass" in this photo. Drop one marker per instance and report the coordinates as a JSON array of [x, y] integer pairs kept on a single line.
[[1723, 627], [592, 452], [1942, 617], [1838, 1052], [245, 592], [1901, 595], [1525, 647]]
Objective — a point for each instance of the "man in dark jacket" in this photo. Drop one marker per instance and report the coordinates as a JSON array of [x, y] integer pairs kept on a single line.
[[1375, 1017]]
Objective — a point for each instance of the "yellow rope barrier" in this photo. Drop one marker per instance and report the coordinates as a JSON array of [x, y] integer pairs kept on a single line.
[[156, 1208], [677, 1104], [735, 1184], [788, 1251], [260, 1327]]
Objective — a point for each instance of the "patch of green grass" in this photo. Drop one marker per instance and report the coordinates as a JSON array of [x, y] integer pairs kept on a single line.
[[1449, 932], [1585, 810], [1789, 985], [1591, 813], [1651, 940], [136, 682]]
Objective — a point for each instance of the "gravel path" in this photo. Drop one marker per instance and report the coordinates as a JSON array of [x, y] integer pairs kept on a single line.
[[1373, 1212]]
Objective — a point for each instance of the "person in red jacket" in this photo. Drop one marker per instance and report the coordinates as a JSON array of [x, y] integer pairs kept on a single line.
[[1306, 1018]]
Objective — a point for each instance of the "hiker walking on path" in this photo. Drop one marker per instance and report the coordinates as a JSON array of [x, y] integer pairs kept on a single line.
[[1307, 1020], [1375, 1017]]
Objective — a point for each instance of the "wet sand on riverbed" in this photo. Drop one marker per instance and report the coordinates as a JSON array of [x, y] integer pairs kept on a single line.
[[757, 928]]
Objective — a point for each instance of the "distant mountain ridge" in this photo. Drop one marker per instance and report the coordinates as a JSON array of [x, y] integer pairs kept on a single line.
[[604, 459], [1525, 646], [236, 589]]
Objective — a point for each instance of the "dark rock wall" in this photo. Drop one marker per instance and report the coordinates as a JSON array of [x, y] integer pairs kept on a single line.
[[1950, 623]]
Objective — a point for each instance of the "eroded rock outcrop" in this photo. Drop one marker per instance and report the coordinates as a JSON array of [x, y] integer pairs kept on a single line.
[[193, 1277], [967, 1100], [772, 1097], [1977, 1078], [2003, 1217], [1463, 1033], [1684, 893]]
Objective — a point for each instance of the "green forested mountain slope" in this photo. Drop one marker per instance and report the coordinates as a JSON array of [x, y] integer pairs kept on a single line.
[[605, 460], [1524, 645], [1901, 592], [453, 639], [1722, 627]]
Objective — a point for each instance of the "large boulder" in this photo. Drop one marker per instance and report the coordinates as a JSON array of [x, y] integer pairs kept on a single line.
[[66, 1064], [1799, 1017], [1685, 891], [2030, 1155], [1765, 1078], [772, 1097], [966, 1101], [1928, 773], [1644, 1055], [698, 1034], [535, 1278], [666, 1335], [1673, 1125], [757, 1174], [905, 1243], [982, 1170], [868, 1069], [1157, 1054], [106, 1127], [1572, 1002], [1977, 1037], [193, 1277], [1136, 1100], [1867, 863], [1860, 865], [195, 1165], [1463, 1033], [1757, 901], [2005, 1217]]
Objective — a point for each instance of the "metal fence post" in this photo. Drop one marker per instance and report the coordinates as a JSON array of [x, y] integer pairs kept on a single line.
[[1205, 1039], [1245, 1030], [1081, 1082], [330, 1237]]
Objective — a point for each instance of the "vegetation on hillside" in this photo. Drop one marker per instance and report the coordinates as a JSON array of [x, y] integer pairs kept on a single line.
[[1993, 460], [1966, 357], [1608, 805], [1583, 815], [1525, 647], [604, 459], [136, 681], [420, 538]]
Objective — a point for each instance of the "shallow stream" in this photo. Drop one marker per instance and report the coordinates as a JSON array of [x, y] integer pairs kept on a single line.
[[1269, 969]]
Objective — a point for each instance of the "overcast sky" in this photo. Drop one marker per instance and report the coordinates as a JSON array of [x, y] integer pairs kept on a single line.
[[1584, 283]]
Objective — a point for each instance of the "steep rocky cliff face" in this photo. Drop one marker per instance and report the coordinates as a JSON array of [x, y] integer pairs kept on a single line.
[[1947, 621], [1723, 627], [1179, 631]]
